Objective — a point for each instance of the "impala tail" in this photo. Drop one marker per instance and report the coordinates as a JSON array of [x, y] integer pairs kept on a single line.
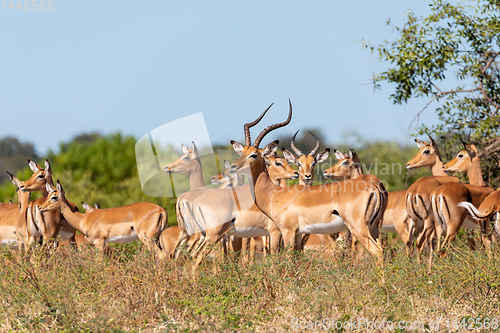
[[473, 211], [441, 211]]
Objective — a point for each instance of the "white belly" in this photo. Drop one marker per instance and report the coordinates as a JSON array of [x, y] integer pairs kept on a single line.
[[388, 228], [124, 239], [65, 235], [335, 225], [249, 232], [12, 243], [470, 224]]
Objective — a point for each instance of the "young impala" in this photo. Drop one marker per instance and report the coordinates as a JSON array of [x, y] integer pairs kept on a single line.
[[144, 221]]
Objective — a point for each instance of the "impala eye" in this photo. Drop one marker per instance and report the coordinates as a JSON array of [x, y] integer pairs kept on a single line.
[[279, 164], [53, 198], [253, 156], [41, 176], [427, 151], [346, 163], [460, 155], [186, 158]]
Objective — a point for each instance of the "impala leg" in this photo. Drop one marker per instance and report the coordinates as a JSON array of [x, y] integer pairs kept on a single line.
[[425, 237], [289, 238], [274, 238], [298, 242], [244, 250], [365, 237]]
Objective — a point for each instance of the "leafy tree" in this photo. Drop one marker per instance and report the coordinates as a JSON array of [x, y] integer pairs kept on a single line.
[[14, 155], [451, 57]]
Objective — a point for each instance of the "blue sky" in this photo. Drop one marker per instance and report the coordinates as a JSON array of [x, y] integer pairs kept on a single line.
[[132, 66]]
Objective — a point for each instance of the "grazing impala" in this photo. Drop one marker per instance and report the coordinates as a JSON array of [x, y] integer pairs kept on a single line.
[[418, 195], [445, 199], [144, 221], [323, 209], [395, 217]]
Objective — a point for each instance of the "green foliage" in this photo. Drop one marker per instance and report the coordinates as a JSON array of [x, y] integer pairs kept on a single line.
[[451, 57], [13, 155]]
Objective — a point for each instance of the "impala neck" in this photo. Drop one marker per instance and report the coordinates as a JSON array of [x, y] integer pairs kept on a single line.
[[356, 172], [196, 177], [279, 182], [74, 218], [24, 199], [474, 173], [437, 168], [262, 187]]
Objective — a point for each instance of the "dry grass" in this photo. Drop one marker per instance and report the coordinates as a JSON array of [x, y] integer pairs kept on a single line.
[[81, 291]]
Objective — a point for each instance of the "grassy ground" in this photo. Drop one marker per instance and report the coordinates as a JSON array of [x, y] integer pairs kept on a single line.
[[81, 291]]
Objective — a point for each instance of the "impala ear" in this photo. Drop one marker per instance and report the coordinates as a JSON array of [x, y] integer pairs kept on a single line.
[[49, 188], [339, 155], [195, 150], [433, 143], [238, 147], [60, 188], [185, 149], [289, 156], [471, 150], [14, 180], [86, 206], [33, 166], [227, 164], [354, 157], [47, 167], [96, 206], [420, 143], [270, 148], [321, 157]]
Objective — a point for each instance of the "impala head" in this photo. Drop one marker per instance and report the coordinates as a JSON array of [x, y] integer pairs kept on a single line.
[[306, 163], [427, 155], [54, 199], [187, 163], [463, 161], [278, 169], [252, 158], [348, 166], [88, 208], [39, 178], [227, 178]]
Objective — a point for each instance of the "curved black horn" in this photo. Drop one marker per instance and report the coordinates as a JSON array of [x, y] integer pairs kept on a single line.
[[248, 140], [273, 127], [295, 149], [318, 144]]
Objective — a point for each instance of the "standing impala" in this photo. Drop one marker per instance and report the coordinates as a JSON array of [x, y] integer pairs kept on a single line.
[[418, 195], [488, 210], [395, 216], [306, 164], [445, 199], [189, 163], [235, 211], [322, 209], [144, 221]]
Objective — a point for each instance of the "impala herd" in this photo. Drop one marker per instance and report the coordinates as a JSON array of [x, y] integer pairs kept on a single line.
[[265, 210]]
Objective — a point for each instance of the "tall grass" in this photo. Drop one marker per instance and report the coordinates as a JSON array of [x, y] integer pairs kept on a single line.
[[82, 291]]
